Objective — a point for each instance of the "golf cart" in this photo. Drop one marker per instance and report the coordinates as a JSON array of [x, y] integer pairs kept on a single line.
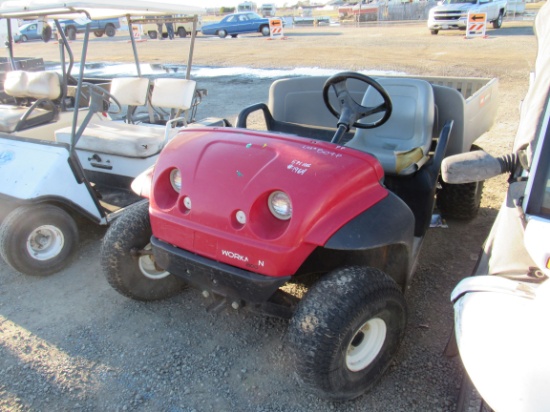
[[88, 167], [246, 215], [501, 312]]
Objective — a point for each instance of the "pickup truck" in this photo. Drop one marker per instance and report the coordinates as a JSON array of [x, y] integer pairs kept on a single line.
[[453, 14], [183, 25], [98, 27]]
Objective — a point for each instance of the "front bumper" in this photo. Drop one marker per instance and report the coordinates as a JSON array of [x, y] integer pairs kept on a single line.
[[218, 278], [451, 24]]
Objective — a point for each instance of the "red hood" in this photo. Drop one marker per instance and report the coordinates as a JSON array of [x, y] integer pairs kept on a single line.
[[225, 170]]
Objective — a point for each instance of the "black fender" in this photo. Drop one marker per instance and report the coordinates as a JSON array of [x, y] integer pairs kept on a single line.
[[380, 237], [388, 222]]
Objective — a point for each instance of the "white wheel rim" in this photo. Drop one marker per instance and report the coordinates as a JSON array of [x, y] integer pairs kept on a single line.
[[45, 242], [148, 268], [366, 344]]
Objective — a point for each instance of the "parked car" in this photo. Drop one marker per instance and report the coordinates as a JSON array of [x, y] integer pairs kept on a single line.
[[98, 27], [453, 14], [502, 311], [36, 30], [238, 23]]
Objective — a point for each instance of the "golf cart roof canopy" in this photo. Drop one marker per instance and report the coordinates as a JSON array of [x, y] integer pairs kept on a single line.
[[94, 9]]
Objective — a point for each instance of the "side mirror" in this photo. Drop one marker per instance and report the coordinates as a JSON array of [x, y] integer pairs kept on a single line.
[[470, 167]]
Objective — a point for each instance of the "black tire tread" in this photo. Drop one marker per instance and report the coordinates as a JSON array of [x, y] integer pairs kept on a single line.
[[15, 224], [133, 230], [460, 201], [336, 305]]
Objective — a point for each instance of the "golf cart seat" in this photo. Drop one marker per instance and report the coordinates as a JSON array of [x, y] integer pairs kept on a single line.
[[136, 140], [131, 92], [34, 93], [401, 144]]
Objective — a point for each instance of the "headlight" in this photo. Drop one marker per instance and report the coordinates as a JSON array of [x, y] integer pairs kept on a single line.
[[175, 179], [279, 204]]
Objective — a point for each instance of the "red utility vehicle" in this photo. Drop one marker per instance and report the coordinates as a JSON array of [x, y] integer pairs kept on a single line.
[[242, 214]]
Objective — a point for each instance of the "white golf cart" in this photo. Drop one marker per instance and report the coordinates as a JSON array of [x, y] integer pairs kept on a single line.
[[88, 166], [502, 311]]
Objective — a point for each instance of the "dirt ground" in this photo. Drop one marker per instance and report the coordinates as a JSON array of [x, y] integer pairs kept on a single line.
[[70, 342]]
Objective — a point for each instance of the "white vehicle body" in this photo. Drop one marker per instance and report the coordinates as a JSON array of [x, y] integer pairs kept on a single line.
[[82, 164], [183, 26], [502, 312], [453, 14], [268, 10]]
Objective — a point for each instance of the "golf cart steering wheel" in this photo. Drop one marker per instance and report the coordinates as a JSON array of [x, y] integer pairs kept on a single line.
[[104, 95], [351, 111]]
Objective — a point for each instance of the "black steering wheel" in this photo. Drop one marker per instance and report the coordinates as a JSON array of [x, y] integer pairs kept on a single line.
[[351, 111], [98, 94]]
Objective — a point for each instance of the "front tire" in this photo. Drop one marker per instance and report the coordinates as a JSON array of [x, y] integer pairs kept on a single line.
[[152, 35], [434, 32], [182, 32], [24, 39], [38, 240], [346, 331], [127, 260], [222, 34], [497, 24]]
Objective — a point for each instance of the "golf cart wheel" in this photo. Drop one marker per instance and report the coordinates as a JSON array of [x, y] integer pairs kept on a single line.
[[182, 32], [127, 260], [469, 399], [222, 34], [346, 331], [459, 201], [38, 240]]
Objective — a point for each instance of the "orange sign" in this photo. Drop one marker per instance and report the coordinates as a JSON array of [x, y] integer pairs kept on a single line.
[[275, 28], [477, 17]]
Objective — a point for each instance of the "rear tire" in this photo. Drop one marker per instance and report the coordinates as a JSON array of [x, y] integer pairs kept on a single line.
[[99, 33], [497, 24], [434, 32], [222, 34], [38, 240], [459, 201], [182, 32], [71, 33], [346, 331], [469, 399], [110, 30], [129, 272], [152, 35], [265, 31]]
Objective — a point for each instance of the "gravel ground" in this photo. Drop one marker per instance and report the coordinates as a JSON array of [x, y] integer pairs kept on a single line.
[[69, 342]]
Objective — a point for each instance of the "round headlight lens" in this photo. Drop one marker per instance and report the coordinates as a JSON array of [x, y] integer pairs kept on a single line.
[[175, 179], [280, 205]]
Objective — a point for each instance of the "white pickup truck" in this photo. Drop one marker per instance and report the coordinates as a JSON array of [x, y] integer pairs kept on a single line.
[[453, 14]]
